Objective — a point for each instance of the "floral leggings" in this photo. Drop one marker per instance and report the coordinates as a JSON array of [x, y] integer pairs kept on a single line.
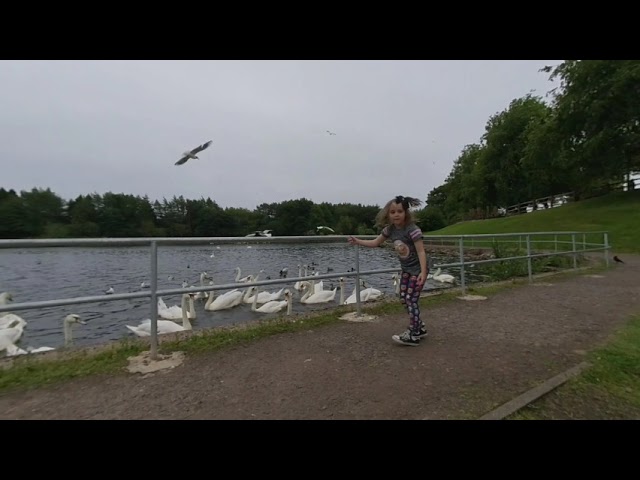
[[410, 296]]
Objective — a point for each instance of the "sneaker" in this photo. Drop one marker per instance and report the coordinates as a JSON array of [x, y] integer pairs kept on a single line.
[[406, 339], [423, 333]]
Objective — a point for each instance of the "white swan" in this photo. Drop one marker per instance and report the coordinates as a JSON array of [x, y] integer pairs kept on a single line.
[[318, 287], [13, 331], [175, 312], [69, 321], [352, 298], [297, 285], [265, 297], [7, 344], [243, 279], [165, 326], [370, 293], [274, 305], [202, 295], [443, 277], [320, 297], [9, 318], [5, 298], [228, 299], [396, 283]]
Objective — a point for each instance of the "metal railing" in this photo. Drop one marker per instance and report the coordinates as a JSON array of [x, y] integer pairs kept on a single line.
[[460, 242]]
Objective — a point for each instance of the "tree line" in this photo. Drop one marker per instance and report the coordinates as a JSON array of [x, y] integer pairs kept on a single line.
[[585, 139], [40, 213]]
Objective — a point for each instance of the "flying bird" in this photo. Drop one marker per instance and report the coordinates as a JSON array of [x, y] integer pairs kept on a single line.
[[330, 133], [192, 154]]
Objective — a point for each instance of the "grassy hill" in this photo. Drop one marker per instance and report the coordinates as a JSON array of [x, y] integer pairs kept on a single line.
[[618, 213]]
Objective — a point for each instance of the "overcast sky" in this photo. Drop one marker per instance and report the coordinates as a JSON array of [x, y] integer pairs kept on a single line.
[[80, 127]]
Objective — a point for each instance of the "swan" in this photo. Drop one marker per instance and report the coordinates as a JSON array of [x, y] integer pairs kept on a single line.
[[5, 298], [318, 287], [396, 283], [69, 321], [274, 305], [246, 279], [202, 295], [265, 297], [228, 299], [7, 343], [443, 277], [320, 297], [370, 293], [352, 298], [9, 318], [175, 312], [298, 285], [13, 331], [165, 326]]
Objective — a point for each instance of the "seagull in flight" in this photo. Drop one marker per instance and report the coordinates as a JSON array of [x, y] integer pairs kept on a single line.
[[192, 154], [330, 133]]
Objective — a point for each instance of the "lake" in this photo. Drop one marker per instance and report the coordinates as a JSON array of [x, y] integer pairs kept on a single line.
[[37, 274]]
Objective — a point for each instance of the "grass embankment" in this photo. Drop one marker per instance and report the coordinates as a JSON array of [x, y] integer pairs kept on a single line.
[[618, 213]]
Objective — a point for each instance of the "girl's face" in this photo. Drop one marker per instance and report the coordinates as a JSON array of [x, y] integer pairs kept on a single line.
[[396, 214]]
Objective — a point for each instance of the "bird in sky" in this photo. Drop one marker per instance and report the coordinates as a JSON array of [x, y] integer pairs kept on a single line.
[[330, 133], [192, 154]]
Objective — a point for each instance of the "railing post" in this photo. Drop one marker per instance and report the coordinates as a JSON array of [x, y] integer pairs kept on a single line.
[[555, 241], [575, 252], [606, 248], [584, 241], [462, 279], [529, 269], [154, 300], [358, 312]]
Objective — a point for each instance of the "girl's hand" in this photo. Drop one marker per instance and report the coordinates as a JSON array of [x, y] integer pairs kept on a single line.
[[352, 240], [421, 279]]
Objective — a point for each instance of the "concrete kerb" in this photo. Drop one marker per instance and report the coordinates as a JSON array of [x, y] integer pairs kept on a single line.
[[535, 393]]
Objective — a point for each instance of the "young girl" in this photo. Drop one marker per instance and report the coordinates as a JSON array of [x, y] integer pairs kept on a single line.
[[400, 228]]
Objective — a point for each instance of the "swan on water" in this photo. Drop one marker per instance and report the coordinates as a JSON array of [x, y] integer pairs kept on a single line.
[[166, 326], [274, 305]]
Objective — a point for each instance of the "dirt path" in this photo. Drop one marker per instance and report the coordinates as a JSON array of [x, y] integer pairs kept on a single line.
[[479, 354]]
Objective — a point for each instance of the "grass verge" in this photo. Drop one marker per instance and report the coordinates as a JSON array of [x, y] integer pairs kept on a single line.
[[608, 390]]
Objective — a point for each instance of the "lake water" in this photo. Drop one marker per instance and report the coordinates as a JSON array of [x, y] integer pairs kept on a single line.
[[57, 273]]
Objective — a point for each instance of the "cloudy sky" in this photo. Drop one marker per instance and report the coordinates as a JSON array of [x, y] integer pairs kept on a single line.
[[80, 127]]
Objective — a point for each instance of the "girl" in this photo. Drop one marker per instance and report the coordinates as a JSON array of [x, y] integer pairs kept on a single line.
[[400, 228]]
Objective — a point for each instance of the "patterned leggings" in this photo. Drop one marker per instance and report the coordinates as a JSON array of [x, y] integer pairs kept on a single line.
[[409, 296]]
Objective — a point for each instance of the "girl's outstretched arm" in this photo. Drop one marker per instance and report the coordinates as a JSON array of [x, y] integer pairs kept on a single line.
[[376, 242]]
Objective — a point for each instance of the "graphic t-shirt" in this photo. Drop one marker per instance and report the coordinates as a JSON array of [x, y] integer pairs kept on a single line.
[[403, 239]]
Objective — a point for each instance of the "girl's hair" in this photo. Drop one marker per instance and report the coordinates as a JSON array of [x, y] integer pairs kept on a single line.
[[382, 218]]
